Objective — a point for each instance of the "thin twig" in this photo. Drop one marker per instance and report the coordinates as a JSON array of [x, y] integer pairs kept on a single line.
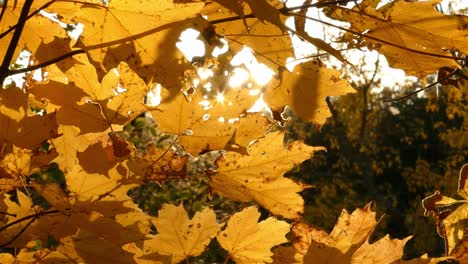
[[14, 41], [20, 232], [3, 34], [6, 213], [422, 89], [22, 219], [165, 152], [47, 63], [256, 52], [317, 5], [384, 41]]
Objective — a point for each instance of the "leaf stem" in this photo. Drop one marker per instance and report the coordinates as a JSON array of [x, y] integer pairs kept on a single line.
[[4, 68]]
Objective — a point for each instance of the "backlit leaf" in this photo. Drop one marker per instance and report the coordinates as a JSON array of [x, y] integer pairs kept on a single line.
[[258, 176], [305, 90], [181, 237], [250, 241]]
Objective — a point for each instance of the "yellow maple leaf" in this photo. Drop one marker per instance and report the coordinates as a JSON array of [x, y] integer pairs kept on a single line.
[[203, 124], [259, 175], [451, 214], [39, 29], [305, 90], [18, 128], [181, 237], [411, 26], [348, 241], [147, 47], [250, 32], [248, 241]]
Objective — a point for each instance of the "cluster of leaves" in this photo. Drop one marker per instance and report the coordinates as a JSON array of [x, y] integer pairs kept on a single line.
[[394, 153], [91, 87]]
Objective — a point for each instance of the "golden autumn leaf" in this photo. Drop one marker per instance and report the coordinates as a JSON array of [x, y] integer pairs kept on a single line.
[[147, 47], [305, 90], [16, 210], [258, 176], [450, 214], [18, 128], [39, 29], [251, 32], [407, 32], [348, 242], [181, 237], [455, 227], [250, 241], [282, 254], [203, 124], [267, 10]]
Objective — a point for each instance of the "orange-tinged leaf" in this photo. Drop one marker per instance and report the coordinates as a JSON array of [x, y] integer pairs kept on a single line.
[[305, 90], [259, 175], [7, 258], [181, 237], [37, 30], [266, 10], [248, 241], [236, 6]]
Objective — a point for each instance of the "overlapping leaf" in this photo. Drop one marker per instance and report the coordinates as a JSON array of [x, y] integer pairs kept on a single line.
[[204, 124], [148, 46], [19, 128], [305, 90], [181, 237], [348, 242], [451, 214], [258, 176], [248, 241], [407, 33]]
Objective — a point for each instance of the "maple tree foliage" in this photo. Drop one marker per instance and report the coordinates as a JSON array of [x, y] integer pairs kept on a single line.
[[90, 87]]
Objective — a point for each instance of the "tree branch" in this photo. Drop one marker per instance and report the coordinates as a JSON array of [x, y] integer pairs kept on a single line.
[[47, 63], [4, 68], [3, 34], [384, 41], [422, 89], [20, 232], [28, 217], [4, 7]]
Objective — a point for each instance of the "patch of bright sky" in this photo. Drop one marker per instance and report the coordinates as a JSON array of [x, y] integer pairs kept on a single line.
[[365, 59], [393, 78], [73, 30]]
